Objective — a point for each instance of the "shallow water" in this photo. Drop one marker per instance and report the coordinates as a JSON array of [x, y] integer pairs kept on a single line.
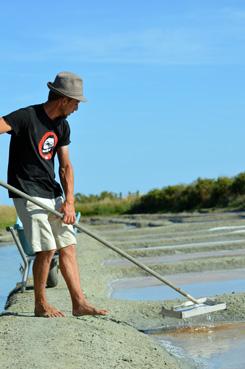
[[197, 290], [209, 347], [219, 347], [196, 284], [9, 271]]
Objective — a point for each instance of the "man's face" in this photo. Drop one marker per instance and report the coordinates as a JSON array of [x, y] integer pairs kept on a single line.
[[68, 106]]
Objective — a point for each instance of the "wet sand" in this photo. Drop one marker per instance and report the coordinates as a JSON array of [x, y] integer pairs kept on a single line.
[[113, 341]]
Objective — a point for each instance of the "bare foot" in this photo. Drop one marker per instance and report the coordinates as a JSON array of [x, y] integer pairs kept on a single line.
[[86, 309], [47, 311]]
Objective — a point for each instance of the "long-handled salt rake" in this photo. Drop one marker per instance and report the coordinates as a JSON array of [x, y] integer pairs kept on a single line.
[[188, 309]]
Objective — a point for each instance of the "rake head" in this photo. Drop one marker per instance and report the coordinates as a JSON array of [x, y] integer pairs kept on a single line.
[[189, 309]]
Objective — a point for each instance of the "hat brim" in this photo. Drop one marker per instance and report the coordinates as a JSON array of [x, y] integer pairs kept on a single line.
[[62, 93]]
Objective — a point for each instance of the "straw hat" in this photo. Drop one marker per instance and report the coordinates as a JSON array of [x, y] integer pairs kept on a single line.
[[69, 85]]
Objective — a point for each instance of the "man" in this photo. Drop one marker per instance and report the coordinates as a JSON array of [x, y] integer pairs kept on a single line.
[[38, 132]]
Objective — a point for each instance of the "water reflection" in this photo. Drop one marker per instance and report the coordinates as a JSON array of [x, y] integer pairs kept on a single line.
[[211, 347]]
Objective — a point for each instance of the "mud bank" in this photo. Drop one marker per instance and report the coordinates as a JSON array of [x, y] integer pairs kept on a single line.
[[115, 341], [87, 342]]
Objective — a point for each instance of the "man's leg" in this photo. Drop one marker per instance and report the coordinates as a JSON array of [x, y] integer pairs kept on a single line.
[[69, 269], [39, 235], [40, 275]]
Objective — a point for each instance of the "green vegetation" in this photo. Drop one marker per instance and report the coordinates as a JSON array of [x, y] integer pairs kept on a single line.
[[7, 216], [223, 192], [107, 203]]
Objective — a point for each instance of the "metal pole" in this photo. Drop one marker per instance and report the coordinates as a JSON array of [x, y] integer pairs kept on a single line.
[[101, 240]]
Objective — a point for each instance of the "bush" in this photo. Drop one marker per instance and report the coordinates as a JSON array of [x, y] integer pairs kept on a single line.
[[202, 194], [221, 192], [238, 185]]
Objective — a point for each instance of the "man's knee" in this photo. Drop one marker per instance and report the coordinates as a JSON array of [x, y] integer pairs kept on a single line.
[[45, 255], [68, 250]]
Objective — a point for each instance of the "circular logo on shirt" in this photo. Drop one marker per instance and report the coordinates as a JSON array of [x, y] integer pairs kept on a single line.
[[47, 144]]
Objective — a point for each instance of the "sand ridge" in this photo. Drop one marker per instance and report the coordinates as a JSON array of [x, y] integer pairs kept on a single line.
[[113, 341]]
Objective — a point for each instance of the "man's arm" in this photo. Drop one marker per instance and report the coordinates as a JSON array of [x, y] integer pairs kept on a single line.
[[67, 181], [4, 127]]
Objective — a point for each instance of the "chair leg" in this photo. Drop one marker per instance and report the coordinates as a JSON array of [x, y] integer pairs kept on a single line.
[[26, 262], [25, 275]]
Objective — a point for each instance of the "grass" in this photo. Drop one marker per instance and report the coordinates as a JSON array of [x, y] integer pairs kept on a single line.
[[105, 207], [7, 216], [99, 207]]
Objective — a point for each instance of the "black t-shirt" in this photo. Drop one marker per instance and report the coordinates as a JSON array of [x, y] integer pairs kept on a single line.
[[34, 142]]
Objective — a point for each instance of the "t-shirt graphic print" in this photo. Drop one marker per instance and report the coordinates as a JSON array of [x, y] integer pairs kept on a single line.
[[47, 144]]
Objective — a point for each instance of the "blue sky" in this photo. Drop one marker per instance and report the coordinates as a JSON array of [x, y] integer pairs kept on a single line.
[[165, 82]]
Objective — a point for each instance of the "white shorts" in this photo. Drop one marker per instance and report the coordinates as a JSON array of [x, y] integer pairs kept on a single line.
[[44, 231]]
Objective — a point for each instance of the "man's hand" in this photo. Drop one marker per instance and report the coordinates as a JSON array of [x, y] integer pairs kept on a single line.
[[4, 126], [69, 213]]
